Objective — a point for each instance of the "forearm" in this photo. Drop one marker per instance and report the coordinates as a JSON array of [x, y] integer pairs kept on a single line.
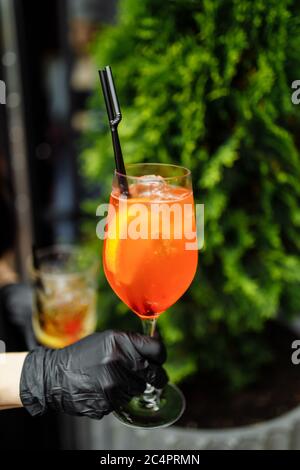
[[10, 373]]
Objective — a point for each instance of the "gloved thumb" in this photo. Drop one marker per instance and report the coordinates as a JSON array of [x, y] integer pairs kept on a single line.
[[157, 376], [150, 348]]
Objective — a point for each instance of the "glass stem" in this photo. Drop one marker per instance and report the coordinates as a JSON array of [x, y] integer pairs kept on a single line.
[[149, 326], [150, 397]]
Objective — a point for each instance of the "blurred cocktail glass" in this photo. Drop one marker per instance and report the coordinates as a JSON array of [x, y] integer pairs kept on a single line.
[[64, 283]]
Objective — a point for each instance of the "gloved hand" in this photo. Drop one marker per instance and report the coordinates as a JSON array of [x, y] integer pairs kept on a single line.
[[93, 376], [16, 306]]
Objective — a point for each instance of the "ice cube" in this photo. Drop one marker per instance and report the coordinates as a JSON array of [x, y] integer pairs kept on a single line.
[[152, 179], [151, 186]]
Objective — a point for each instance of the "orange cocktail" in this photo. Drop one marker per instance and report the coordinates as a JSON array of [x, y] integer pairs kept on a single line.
[[150, 259], [150, 273]]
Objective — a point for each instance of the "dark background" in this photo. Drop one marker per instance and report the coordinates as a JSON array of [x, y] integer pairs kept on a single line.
[[42, 48]]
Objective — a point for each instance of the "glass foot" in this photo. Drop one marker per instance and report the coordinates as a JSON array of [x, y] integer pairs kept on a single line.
[[165, 409]]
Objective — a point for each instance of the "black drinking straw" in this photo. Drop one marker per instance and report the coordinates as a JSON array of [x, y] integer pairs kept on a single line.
[[114, 118]]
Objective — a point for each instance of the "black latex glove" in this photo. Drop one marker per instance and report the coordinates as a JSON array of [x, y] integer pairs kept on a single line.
[[16, 303], [93, 376]]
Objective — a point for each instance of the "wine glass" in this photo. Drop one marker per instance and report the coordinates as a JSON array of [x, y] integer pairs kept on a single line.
[[150, 258]]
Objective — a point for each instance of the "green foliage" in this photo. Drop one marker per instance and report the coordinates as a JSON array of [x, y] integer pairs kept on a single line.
[[207, 84]]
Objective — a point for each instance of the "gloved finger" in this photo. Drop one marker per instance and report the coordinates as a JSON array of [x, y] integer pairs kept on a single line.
[[137, 388], [157, 376], [118, 397], [150, 348], [92, 413], [84, 404], [136, 384], [126, 385], [128, 354]]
